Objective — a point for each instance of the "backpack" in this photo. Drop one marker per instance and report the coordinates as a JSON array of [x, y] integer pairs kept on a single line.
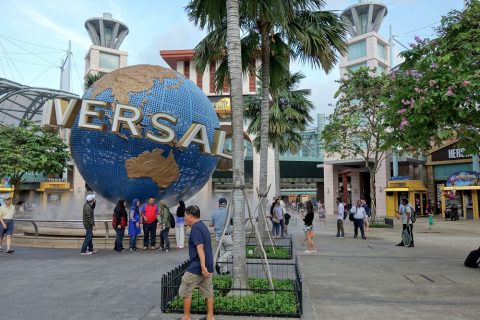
[[172, 220], [473, 259], [413, 215], [367, 210]]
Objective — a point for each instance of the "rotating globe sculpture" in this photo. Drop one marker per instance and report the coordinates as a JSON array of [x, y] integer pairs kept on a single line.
[[117, 164]]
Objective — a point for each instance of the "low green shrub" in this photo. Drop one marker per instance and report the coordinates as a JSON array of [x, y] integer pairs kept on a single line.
[[257, 301], [379, 225], [280, 252]]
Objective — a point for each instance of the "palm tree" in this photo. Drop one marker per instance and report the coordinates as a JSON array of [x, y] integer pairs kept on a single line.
[[235, 77], [289, 116], [91, 78], [309, 34]]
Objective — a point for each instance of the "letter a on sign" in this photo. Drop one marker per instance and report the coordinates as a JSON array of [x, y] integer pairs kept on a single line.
[[197, 133]]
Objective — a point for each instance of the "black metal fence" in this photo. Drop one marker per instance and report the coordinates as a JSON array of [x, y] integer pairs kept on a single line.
[[282, 248], [255, 298]]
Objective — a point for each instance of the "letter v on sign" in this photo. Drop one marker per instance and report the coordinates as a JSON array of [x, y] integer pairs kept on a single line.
[[57, 112]]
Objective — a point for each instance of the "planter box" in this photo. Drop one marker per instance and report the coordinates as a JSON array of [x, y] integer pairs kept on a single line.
[[283, 249], [283, 301]]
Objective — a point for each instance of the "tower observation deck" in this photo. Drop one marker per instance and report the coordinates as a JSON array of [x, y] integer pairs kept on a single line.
[[106, 32], [364, 17]]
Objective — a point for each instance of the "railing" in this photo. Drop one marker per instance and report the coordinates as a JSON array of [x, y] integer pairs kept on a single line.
[[107, 223], [35, 224], [237, 300]]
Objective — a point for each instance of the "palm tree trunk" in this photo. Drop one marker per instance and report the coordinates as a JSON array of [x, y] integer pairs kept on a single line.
[[264, 117], [235, 70], [277, 170]]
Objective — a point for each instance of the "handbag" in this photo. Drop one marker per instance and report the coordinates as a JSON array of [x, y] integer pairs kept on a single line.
[[406, 237]]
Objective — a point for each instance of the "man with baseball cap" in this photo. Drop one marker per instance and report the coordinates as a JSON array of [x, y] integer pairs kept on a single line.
[[7, 212], [89, 225], [219, 219]]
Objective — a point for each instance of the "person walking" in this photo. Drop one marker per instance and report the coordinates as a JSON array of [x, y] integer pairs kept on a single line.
[[148, 216], [340, 218], [180, 225], [359, 217], [88, 224], [134, 224], [308, 228], [367, 211], [218, 222], [7, 212], [165, 226], [199, 272], [120, 218], [273, 217], [280, 213], [322, 213], [406, 215]]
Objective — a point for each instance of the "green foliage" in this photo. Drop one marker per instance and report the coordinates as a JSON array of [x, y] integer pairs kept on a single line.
[[280, 252], [90, 79], [289, 115], [379, 225], [436, 89], [30, 148], [258, 301]]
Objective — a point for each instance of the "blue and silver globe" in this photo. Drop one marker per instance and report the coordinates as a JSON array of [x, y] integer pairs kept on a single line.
[[118, 165]]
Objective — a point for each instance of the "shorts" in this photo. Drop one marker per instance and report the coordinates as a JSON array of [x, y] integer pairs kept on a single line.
[[9, 230], [190, 281], [308, 228]]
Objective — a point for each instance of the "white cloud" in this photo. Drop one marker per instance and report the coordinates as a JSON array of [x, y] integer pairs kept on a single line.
[[62, 31]]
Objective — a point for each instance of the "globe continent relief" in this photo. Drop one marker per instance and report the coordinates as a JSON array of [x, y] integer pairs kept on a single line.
[[120, 166]]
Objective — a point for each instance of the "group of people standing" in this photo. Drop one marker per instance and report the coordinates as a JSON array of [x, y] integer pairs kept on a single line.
[[359, 214], [138, 216]]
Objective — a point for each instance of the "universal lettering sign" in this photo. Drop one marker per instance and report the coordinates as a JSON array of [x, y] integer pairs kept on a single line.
[[129, 118]]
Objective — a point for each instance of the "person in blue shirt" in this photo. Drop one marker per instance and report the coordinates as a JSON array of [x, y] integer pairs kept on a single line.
[[199, 272], [134, 224]]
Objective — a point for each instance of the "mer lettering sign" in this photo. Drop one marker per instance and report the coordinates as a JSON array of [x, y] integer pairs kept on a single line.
[[451, 152], [58, 113]]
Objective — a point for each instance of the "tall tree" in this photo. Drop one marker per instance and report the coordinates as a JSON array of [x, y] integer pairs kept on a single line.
[[289, 116], [436, 89], [309, 34], [357, 127], [30, 148], [236, 93]]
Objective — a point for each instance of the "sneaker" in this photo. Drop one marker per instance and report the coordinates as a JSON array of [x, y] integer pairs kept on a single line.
[[86, 253], [94, 251], [153, 248], [308, 251], [181, 247], [1, 249], [145, 248], [400, 244], [131, 249], [411, 246], [364, 238], [313, 251], [10, 250]]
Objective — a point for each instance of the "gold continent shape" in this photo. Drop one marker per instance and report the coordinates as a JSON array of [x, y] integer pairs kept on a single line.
[[134, 79], [163, 171]]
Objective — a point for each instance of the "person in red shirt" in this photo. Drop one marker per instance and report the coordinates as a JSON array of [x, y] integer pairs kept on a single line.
[[149, 219]]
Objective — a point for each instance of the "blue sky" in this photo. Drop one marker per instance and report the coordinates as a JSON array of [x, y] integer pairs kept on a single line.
[[154, 26]]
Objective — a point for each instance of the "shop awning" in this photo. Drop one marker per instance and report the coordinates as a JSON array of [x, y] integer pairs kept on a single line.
[[462, 188], [397, 189]]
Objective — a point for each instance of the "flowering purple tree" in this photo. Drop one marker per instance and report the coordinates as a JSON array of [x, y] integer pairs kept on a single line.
[[436, 90]]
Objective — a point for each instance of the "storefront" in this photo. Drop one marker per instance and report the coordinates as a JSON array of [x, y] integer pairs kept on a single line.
[[459, 198], [441, 163], [54, 193], [414, 190]]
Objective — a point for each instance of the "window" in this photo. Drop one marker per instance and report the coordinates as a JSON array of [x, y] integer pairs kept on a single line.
[[355, 67], [380, 69], [382, 52], [357, 50], [109, 61]]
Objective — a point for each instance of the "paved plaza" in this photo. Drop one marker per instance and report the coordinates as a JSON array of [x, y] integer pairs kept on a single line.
[[347, 279]]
